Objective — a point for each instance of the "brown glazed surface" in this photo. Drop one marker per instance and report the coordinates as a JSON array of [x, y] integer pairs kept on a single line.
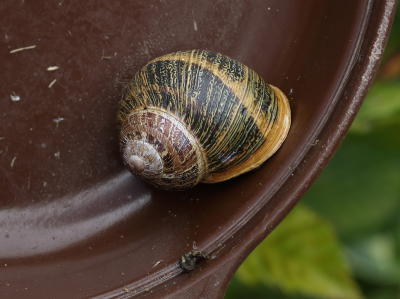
[[74, 222]]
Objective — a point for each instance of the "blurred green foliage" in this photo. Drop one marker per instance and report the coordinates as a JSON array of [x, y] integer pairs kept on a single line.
[[393, 44], [309, 262], [349, 217]]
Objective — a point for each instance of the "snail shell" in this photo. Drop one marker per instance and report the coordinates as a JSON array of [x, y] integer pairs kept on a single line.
[[197, 116]]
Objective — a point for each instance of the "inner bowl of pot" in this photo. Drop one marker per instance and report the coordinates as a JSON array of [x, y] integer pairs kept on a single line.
[[75, 222]]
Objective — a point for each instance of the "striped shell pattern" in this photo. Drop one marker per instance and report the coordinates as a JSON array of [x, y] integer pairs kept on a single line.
[[197, 116]]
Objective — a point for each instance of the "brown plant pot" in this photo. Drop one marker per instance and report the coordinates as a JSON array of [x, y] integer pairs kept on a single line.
[[74, 222]]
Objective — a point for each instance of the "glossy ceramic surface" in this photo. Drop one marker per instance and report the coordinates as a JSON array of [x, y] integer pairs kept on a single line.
[[73, 222]]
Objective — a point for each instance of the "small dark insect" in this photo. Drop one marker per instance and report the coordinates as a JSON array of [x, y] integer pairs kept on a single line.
[[189, 259]]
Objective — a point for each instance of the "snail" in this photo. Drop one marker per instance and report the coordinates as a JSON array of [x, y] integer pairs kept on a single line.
[[198, 116]]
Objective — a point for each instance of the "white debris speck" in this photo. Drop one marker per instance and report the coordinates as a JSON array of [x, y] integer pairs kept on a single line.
[[159, 262], [14, 97], [57, 155], [52, 83], [12, 162], [195, 25], [52, 68], [21, 49], [58, 120]]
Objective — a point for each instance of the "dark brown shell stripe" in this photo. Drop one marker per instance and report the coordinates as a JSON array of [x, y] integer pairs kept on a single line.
[[238, 78], [183, 162], [230, 129]]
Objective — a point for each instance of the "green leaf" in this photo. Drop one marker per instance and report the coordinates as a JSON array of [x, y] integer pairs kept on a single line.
[[302, 255], [238, 290], [374, 259], [381, 107], [359, 190]]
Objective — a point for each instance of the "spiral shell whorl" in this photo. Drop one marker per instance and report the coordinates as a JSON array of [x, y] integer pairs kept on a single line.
[[169, 152], [142, 159]]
